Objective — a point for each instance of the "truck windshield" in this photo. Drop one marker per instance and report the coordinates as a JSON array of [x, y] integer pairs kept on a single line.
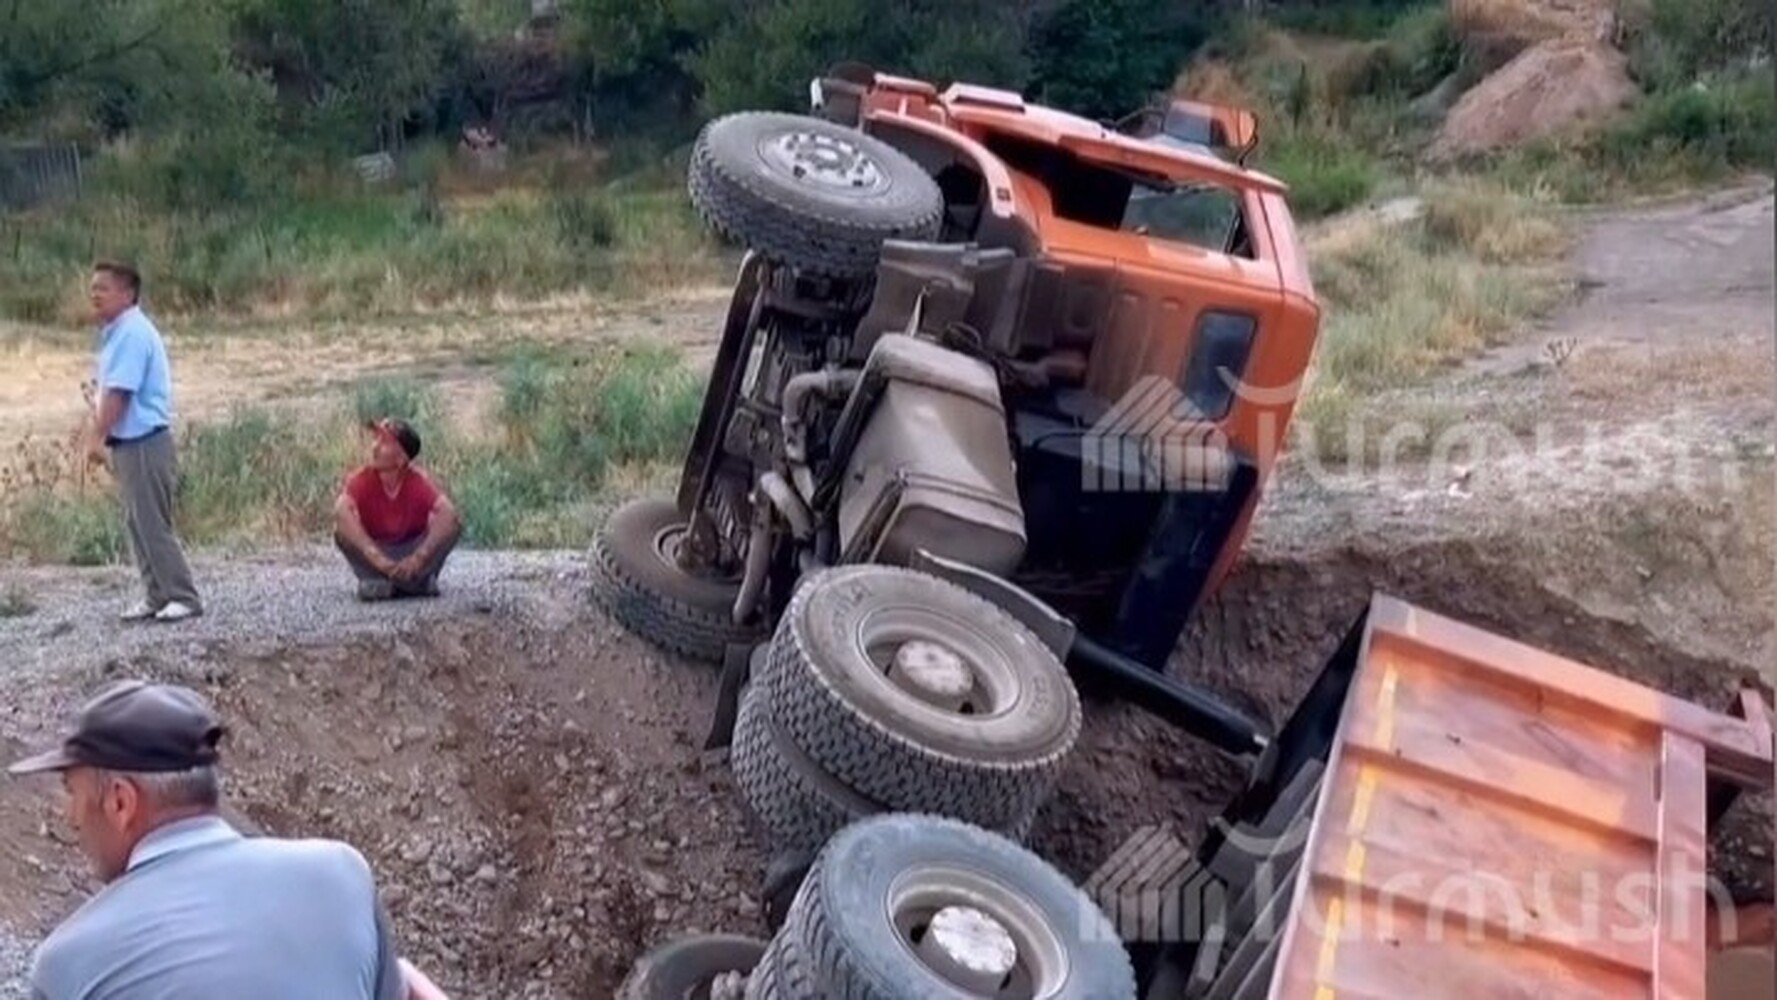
[[1195, 213], [1201, 215]]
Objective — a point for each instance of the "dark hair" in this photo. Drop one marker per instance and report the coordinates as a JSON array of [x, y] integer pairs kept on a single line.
[[403, 433], [131, 277]]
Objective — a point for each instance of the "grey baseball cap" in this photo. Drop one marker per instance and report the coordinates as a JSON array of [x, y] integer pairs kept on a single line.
[[136, 726]]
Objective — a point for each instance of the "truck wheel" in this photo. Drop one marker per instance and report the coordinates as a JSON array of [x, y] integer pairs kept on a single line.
[[635, 577], [810, 193], [921, 696], [693, 968], [795, 802], [783, 974], [906, 905]]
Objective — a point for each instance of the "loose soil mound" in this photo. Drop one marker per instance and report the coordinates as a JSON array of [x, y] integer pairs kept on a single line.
[[1551, 89]]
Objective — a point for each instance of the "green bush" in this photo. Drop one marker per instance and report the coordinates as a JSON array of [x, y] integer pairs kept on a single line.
[[259, 474], [403, 398], [1673, 42], [1324, 175], [1348, 19], [78, 531], [1724, 121]]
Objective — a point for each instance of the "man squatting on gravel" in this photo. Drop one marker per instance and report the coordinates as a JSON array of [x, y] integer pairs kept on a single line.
[[394, 525], [192, 909]]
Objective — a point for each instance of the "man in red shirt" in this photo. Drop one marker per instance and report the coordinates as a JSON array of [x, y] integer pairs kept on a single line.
[[395, 526]]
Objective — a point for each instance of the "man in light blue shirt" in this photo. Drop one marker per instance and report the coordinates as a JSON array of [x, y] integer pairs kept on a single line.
[[133, 418], [191, 909]]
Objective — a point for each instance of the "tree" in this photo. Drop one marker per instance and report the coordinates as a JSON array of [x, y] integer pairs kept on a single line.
[[767, 59], [361, 67], [1106, 58], [112, 58]]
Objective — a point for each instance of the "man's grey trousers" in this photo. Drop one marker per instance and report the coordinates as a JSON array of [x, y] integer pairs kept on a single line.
[[147, 478], [423, 582]]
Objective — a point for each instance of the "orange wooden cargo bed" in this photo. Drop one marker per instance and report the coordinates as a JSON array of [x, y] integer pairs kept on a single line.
[[1498, 821]]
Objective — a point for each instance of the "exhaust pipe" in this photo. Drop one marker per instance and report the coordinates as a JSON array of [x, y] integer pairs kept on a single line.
[[752, 583], [796, 391], [789, 504]]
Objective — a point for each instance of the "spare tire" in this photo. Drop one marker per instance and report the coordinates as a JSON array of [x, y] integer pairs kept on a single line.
[[921, 695], [685, 968], [871, 918], [809, 193], [637, 580]]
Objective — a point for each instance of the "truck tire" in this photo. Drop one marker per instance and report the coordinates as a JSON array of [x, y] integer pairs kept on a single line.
[[796, 804], [864, 913], [990, 758], [685, 968], [783, 974], [810, 193], [635, 579]]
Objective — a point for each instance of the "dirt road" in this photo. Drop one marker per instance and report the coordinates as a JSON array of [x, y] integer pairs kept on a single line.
[[524, 775]]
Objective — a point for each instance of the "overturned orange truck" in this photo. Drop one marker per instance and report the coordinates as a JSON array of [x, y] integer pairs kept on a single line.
[[917, 519]]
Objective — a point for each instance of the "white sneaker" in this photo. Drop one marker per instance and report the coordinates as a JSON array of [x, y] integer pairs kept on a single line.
[[137, 612], [175, 611]]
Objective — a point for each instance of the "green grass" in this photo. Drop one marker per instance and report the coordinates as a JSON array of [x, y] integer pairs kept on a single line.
[[335, 248], [1673, 140], [568, 436], [1407, 300], [1325, 174]]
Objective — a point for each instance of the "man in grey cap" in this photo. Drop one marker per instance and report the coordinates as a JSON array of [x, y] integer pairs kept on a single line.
[[191, 908]]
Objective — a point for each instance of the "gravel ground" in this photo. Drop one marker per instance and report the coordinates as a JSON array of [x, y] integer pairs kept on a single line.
[[275, 599], [15, 961]]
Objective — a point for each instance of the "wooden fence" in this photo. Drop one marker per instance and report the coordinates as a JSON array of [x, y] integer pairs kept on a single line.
[[32, 174]]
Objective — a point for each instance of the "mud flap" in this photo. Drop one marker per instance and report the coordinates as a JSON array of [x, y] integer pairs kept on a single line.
[[738, 664], [784, 875]]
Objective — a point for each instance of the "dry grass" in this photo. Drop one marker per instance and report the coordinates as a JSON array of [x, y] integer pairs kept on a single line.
[[349, 252], [563, 438], [1404, 300]]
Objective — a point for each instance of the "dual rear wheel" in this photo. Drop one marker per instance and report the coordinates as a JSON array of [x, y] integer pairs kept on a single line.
[[911, 906]]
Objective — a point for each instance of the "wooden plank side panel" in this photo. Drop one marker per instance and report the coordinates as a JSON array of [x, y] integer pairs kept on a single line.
[[1340, 953], [1460, 754], [1383, 868], [1542, 857], [1683, 886], [1401, 724], [1516, 782], [1563, 914], [1421, 634], [1471, 706]]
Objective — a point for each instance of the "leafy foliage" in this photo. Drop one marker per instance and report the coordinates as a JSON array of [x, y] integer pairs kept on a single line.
[[358, 64], [1104, 58]]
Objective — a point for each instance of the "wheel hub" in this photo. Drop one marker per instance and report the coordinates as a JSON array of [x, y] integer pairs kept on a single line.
[[933, 672], [830, 161], [728, 986], [969, 948]]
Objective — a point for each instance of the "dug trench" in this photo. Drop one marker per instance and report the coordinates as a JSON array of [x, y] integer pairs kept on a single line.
[[530, 789]]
